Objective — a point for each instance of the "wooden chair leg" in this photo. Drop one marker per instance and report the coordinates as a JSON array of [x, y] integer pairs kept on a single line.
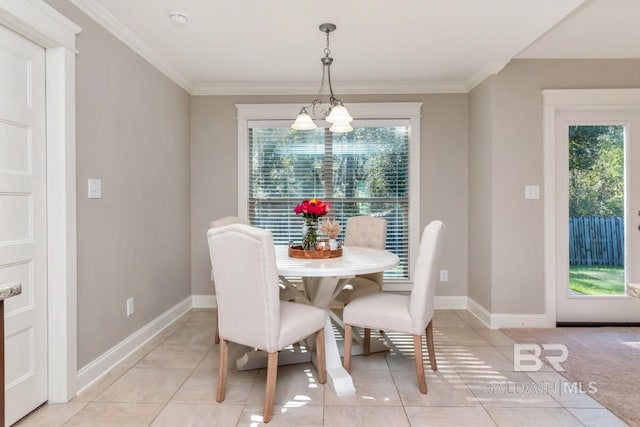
[[322, 363], [216, 338], [431, 347], [348, 340], [272, 373], [366, 345], [222, 370], [417, 349]]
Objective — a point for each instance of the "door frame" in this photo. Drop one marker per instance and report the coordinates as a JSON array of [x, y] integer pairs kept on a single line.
[[555, 101], [45, 26]]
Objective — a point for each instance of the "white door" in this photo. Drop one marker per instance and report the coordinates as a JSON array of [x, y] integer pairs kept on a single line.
[[598, 215], [23, 255]]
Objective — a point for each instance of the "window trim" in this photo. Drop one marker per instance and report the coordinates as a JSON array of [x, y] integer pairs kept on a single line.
[[364, 111]]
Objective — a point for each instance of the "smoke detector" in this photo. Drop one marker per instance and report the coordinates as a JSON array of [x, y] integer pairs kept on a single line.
[[178, 19]]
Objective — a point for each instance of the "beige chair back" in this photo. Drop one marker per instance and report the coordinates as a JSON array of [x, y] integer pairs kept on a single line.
[[425, 276], [366, 232], [246, 278]]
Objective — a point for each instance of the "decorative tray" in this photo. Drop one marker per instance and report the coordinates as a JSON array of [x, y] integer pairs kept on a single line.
[[322, 251]]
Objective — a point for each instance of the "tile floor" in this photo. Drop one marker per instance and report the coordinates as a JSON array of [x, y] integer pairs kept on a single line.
[[171, 381]]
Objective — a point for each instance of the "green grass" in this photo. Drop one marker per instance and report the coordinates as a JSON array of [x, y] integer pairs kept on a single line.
[[594, 280]]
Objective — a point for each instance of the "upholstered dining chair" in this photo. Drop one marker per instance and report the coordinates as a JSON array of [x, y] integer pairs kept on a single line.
[[219, 223], [411, 314], [366, 232], [250, 311]]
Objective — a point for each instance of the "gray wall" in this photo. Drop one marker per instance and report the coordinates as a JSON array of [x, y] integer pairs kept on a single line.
[[514, 127], [480, 192], [133, 133], [443, 164]]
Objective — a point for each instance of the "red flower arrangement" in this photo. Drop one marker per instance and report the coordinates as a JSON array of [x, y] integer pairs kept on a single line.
[[314, 208], [311, 210]]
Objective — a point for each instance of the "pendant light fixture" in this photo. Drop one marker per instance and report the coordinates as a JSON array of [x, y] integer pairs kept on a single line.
[[336, 113]]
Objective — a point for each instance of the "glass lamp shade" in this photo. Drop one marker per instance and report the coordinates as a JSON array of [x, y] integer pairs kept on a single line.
[[303, 122], [339, 114], [341, 128]]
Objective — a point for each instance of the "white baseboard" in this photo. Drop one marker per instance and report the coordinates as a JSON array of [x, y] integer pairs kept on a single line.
[[203, 301], [510, 320], [499, 320], [104, 363], [450, 303], [479, 311]]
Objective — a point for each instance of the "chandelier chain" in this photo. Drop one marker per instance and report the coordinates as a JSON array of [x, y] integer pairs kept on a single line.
[[327, 51]]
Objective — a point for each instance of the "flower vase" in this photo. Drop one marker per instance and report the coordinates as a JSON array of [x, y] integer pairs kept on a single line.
[[310, 234]]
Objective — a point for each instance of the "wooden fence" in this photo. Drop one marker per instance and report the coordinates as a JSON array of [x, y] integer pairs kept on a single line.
[[596, 241]]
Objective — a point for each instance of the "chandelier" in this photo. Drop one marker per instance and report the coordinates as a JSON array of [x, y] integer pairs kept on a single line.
[[336, 113]]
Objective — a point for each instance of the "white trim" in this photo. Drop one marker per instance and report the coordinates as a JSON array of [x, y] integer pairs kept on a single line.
[[550, 256], [311, 88], [61, 223], [112, 24], [446, 302], [39, 22], [590, 99], [499, 320], [204, 301], [483, 72], [116, 354], [508, 320], [481, 313], [382, 110], [42, 24]]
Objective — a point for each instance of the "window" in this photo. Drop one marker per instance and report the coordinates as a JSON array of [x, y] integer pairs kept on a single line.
[[364, 172]]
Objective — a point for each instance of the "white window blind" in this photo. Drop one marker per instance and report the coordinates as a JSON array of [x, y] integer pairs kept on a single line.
[[364, 172]]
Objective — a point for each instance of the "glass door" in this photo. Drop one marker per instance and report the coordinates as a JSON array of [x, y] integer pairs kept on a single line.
[[598, 232]]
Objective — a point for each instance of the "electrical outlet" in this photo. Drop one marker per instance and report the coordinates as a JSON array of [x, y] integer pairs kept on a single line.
[[444, 275], [129, 306]]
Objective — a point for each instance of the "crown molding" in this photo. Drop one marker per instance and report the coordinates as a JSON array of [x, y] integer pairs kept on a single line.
[[112, 24], [311, 88], [488, 69]]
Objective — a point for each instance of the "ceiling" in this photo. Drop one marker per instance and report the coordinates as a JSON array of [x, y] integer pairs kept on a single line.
[[404, 46]]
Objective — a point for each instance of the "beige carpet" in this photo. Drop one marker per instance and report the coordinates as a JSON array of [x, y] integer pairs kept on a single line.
[[610, 356]]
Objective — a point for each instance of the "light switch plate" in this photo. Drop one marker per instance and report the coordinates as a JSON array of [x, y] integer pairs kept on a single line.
[[95, 188], [531, 191]]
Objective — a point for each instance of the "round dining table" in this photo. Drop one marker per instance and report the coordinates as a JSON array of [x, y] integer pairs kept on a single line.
[[323, 279]]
